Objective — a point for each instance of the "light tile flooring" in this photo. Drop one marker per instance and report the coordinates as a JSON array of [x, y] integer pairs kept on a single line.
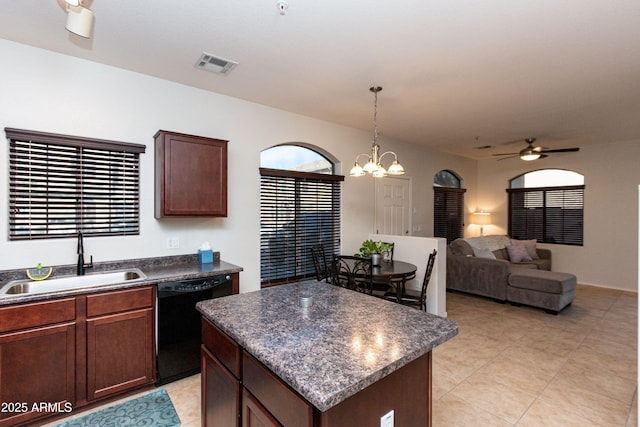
[[519, 366]]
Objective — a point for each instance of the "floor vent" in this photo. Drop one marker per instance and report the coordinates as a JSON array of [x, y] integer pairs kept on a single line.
[[215, 64]]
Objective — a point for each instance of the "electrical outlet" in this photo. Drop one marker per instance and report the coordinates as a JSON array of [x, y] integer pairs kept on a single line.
[[173, 243], [387, 419]]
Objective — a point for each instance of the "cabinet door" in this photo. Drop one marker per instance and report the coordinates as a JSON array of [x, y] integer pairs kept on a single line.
[[37, 367], [220, 393], [254, 414], [190, 175], [120, 352]]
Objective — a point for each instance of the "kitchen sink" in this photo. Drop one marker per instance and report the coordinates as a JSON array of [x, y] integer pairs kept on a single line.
[[65, 283]]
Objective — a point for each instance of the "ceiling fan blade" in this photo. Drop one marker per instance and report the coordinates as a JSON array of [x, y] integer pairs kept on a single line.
[[510, 157], [562, 150], [506, 154]]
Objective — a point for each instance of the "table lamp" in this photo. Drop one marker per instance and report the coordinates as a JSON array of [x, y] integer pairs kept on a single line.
[[481, 218]]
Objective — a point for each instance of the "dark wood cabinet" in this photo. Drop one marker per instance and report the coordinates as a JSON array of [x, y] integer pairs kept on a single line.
[[120, 345], [221, 407], [220, 371], [236, 384], [69, 352], [238, 390], [190, 176], [37, 360], [254, 414]]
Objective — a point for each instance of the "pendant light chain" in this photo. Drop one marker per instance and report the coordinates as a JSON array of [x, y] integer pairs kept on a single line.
[[375, 91]]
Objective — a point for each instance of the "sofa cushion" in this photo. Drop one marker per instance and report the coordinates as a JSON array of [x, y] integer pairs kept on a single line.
[[483, 253], [501, 254], [529, 244], [460, 247], [518, 253], [491, 242], [552, 282]]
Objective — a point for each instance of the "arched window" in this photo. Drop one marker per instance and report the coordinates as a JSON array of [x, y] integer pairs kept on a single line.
[[547, 205], [299, 208], [295, 158], [448, 206]]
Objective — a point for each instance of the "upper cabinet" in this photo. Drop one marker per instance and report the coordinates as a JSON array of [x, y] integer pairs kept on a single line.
[[190, 176]]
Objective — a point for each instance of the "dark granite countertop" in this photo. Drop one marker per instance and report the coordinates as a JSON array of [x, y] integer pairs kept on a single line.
[[156, 270], [330, 351]]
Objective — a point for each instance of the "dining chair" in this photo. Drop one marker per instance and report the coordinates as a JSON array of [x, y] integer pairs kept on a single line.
[[352, 272], [320, 263], [413, 297]]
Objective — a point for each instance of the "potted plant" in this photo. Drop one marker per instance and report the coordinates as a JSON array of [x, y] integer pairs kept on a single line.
[[374, 250]]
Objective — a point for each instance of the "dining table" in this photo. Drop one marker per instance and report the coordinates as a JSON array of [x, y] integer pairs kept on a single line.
[[395, 273]]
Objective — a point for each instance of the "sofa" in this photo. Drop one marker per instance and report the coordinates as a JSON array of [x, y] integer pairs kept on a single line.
[[482, 265]]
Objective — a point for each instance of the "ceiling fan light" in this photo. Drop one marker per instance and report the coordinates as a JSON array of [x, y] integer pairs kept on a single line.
[[73, 2], [529, 154], [80, 21]]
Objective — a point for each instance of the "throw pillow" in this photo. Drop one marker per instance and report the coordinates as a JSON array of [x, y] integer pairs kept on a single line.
[[529, 244], [518, 253], [483, 253]]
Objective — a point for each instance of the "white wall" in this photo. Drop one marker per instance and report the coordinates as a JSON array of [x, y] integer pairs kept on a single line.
[[49, 92], [609, 256]]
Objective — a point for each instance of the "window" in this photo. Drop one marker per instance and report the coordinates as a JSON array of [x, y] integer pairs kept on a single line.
[[60, 185], [448, 206], [547, 205], [297, 211]]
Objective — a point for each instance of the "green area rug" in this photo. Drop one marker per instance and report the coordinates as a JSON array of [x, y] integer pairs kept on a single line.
[[153, 409]]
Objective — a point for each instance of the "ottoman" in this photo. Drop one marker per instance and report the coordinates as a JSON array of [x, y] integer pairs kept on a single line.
[[549, 290]]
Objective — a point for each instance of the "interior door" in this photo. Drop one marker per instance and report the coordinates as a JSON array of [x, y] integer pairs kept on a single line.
[[393, 205]]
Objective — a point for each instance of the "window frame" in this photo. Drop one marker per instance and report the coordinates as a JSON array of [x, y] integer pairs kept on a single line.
[[51, 176]]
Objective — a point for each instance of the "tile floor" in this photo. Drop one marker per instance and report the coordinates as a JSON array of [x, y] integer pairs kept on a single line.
[[519, 366]]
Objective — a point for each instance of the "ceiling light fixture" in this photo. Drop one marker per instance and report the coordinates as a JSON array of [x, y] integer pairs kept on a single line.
[[529, 153], [79, 19], [373, 165]]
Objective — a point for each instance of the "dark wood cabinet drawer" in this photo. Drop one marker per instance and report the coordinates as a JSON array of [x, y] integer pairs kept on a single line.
[[221, 346], [117, 301], [283, 403], [35, 314]]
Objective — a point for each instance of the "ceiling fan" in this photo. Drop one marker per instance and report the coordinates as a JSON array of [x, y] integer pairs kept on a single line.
[[533, 153]]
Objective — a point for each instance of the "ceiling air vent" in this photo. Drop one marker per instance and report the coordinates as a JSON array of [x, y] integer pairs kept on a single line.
[[215, 64]]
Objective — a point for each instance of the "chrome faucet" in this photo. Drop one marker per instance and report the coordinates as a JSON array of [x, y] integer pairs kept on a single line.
[[81, 264]]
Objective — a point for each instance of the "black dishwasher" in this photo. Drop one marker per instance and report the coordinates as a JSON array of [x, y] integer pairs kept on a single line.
[[179, 327]]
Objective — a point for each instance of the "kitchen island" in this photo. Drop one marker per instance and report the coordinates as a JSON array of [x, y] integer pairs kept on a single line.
[[347, 359]]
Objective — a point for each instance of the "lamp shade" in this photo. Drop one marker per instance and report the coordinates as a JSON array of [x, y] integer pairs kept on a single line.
[[80, 21], [481, 218]]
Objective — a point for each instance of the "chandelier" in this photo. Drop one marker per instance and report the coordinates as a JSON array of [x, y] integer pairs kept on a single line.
[[373, 165]]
